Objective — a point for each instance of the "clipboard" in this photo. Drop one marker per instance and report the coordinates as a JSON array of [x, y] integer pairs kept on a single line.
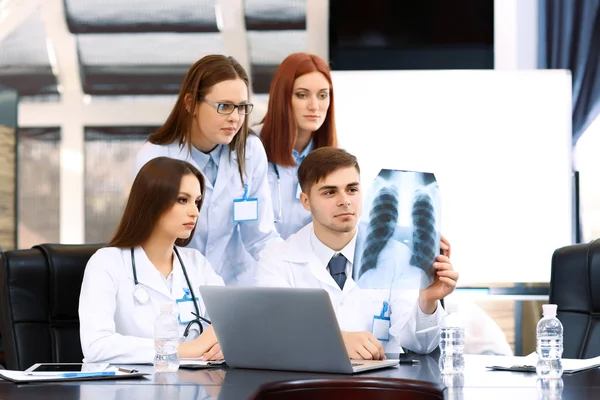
[[24, 377]]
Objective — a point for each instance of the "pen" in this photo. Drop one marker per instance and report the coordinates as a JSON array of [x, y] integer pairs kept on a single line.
[[409, 362], [86, 374], [129, 371]]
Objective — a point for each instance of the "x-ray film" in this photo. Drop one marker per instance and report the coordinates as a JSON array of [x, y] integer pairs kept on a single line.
[[399, 231]]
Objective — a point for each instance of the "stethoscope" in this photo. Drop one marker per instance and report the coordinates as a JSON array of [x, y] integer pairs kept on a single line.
[[280, 213], [140, 294]]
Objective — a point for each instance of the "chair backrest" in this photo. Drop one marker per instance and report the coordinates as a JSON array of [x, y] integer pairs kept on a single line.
[[574, 287], [355, 387], [39, 301]]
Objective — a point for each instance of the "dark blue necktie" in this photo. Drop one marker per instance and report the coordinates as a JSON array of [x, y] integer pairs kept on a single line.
[[337, 269]]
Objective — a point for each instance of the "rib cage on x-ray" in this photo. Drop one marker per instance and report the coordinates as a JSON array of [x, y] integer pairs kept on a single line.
[[424, 233], [382, 222]]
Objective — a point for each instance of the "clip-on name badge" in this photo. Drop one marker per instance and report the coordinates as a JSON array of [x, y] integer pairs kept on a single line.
[[245, 209], [381, 324], [186, 307]]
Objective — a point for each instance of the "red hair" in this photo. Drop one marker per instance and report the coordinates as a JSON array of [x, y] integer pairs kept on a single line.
[[280, 129]]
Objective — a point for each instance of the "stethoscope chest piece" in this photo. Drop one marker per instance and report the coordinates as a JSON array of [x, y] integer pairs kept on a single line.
[[140, 294]]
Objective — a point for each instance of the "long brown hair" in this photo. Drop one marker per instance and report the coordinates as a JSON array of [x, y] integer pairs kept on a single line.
[[280, 129], [154, 191], [202, 76]]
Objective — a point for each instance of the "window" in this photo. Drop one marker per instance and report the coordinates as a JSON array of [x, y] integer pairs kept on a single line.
[[38, 186], [109, 162]]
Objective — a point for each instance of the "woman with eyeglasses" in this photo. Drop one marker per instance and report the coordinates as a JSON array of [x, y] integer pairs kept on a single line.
[[208, 128], [144, 266], [299, 119]]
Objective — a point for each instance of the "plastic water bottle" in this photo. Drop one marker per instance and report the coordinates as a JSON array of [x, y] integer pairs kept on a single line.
[[166, 340], [452, 345], [549, 344]]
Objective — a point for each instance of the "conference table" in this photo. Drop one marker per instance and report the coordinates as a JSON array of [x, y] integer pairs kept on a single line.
[[477, 382]]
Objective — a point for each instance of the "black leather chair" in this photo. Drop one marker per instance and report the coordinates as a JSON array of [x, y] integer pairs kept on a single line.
[[575, 288], [39, 300]]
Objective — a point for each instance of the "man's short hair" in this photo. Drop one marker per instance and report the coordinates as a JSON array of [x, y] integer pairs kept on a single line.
[[321, 162]]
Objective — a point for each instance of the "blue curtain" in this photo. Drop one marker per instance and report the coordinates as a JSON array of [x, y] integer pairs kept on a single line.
[[569, 38]]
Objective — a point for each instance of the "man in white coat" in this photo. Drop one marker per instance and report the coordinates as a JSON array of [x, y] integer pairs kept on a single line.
[[320, 255]]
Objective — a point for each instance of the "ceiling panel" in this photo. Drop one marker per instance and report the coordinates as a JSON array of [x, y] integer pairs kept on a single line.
[[144, 63], [24, 62], [271, 47], [113, 16], [275, 14], [267, 51]]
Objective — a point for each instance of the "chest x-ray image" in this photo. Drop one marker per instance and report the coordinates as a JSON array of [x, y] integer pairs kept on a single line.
[[399, 232]]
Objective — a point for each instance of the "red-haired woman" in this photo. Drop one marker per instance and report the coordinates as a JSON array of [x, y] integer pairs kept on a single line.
[[299, 119]]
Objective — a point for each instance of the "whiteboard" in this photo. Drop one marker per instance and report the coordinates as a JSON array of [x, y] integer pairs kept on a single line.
[[499, 144]]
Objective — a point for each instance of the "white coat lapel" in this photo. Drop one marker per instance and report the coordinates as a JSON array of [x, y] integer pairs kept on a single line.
[[148, 276], [226, 171], [300, 252], [349, 285], [179, 282], [182, 153], [320, 271]]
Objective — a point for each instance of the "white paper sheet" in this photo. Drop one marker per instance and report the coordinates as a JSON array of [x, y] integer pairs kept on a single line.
[[528, 363]]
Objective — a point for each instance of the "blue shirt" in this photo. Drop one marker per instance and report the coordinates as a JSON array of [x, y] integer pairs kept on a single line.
[[202, 159]]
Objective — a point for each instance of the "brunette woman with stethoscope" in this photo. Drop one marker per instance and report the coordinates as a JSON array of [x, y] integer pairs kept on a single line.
[[299, 119], [145, 265]]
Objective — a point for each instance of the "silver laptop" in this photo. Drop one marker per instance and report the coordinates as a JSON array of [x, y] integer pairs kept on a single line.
[[280, 329]]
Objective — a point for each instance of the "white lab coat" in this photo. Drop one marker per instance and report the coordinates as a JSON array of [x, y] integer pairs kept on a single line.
[[293, 216], [114, 327], [294, 264], [231, 247]]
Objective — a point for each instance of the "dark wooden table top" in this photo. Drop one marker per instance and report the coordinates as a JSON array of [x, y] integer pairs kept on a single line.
[[477, 382]]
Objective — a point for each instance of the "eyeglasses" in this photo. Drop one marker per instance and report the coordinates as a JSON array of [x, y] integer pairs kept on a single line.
[[228, 108]]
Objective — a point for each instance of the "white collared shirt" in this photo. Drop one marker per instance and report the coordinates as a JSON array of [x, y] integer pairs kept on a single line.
[[325, 254]]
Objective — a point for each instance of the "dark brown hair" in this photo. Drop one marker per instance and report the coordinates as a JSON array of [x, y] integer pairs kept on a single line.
[[154, 191], [201, 77], [280, 128], [321, 162]]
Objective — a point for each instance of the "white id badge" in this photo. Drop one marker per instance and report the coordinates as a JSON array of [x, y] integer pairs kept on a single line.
[[381, 324], [298, 191], [245, 209], [186, 307]]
